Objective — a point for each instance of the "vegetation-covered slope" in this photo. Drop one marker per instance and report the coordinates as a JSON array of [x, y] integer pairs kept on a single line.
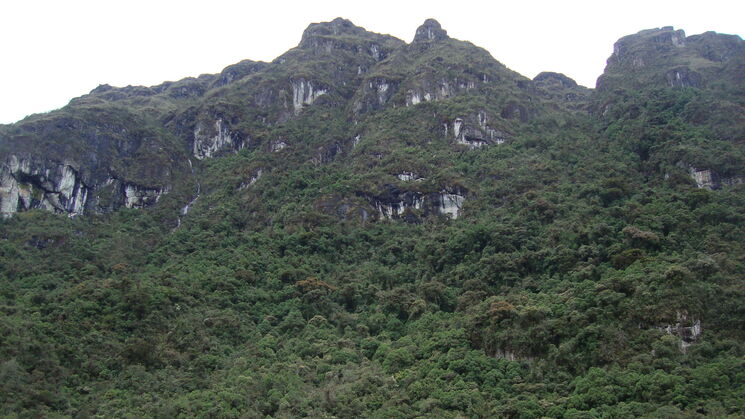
[[366, 228]]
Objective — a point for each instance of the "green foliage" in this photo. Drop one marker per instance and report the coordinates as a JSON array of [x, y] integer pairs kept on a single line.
[[570, 285]]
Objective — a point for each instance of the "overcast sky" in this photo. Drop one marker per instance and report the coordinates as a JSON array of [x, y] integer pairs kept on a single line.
[[55, 50]]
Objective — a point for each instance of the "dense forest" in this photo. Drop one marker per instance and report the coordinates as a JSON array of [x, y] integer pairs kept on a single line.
[[369, 228]]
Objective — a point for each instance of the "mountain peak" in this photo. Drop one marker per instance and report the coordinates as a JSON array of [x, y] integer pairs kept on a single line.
[[559, 78], [430, 31], [336, 27], [648, 43]]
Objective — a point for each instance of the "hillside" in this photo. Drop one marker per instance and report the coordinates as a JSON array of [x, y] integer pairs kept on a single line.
[[369, 228]]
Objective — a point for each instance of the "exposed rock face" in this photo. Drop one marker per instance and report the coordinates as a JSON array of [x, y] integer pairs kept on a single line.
[[136, 196], [277, 145], [330, 36], [410, 201], [304, 93], [410, 205], [662, 57], [424, 71], [474, 131], [114, 193], [430, 89], [639, 54], [375, 94], [212, 140], [688, 330], [28, 183], [327, 154], [253, 179], [709, 179], [683, 77], [430, 31], [703, 178], [645, 46], [511, 355], [341, 68], [336, 27], [409, 177], [450, 204]]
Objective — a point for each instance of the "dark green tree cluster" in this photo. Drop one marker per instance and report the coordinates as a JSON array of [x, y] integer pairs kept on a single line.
[[586, 275]]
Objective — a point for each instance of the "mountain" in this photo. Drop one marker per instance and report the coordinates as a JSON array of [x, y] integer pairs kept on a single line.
[[369, 228]]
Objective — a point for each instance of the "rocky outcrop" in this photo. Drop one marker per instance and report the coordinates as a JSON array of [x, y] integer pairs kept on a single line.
[[407, 176], [213, 139], [277, 145], [709, 179], [430, 89], [414, 75], [353, 209], [26, 184], [474, 131], [396, 209], [375, 94], [649, 52], [683, 77], [716, 47], [116, 193], [327, 154], [645, 47], [341, 35], [704, 178], [410, 205], [251, 180], [450, 204], [430, 31], [687, 328], [136, 196], [30, 183], [511, 355], [304, 93], [665, 57]]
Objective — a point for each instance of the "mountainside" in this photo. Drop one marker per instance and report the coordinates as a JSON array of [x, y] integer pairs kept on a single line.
[[365, 227]]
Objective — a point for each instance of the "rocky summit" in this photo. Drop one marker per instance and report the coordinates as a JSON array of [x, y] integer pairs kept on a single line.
[[365, 227]]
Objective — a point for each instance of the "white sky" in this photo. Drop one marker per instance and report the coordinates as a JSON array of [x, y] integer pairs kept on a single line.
[[54, 50]]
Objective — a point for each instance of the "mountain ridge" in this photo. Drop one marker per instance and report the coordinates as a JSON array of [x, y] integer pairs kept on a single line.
[[340, 64], [368, 228]]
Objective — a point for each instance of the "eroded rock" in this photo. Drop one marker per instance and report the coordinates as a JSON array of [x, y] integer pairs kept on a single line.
[[209, 141], [710, 179], [304, 93], [429, 31], [409, 205], [475, 132], [26, 183], [251, 180], [687, 328]]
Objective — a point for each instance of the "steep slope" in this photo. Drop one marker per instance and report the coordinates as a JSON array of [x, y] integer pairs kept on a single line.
[[352, 74], [105, 150], [677, 102], [369, 228]]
